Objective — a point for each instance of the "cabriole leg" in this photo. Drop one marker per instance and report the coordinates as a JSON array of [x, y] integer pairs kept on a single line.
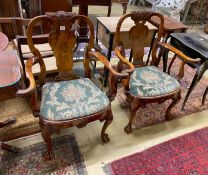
[[108, 120], [134, 106], [46, 137]]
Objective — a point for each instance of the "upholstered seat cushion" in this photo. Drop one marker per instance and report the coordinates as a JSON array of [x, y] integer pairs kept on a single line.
[[71, 99], [150, 81]]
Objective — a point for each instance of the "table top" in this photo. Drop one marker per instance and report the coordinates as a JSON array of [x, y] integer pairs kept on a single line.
[[3, 41], [110, 24], [169, 23], [9, 68], [193, 41]]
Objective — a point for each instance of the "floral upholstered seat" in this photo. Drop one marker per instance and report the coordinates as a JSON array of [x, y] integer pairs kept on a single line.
[[150, 81], [71, 99]]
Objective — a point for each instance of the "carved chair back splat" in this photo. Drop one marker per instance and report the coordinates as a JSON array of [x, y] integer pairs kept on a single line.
[[62, 40], [138, 35]]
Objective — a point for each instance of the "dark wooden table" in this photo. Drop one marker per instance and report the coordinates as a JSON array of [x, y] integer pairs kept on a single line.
[[38, 7], [9, 78]]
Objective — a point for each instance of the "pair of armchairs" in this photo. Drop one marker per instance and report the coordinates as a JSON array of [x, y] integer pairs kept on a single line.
[[68, 101]]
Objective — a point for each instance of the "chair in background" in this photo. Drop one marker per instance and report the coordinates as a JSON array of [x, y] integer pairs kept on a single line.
[[20, 27], [147, 84], [67, 101], [177, 9]]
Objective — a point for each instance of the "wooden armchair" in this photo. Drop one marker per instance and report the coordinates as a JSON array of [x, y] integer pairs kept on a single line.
[[72, 102], [147, 83]]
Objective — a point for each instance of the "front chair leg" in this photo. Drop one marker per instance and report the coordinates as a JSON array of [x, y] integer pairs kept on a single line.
[[108, 120], [175, 101], [46, 137], [134, 106]]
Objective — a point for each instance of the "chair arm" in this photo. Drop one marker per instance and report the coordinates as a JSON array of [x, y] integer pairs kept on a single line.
[[120, 75], [179, 53], [28, 69], [114, 75], [130, 66]]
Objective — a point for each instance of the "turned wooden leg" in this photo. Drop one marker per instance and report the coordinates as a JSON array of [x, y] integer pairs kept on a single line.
[[108, 121], [46, 137], [134, 106], [175, 100]]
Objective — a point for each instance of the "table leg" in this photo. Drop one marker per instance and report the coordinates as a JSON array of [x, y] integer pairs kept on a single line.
[[124, 5], [199, 73], [96, 40], [204, 96], [83, 30], [165, 54], [110, 46], [109, 10]]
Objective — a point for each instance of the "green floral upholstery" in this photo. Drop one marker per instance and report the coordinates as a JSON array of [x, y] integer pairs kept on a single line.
[[150, 81], [71, 99]]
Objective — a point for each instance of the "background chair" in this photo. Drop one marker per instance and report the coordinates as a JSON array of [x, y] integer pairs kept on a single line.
[[177, 9], [67, 101], [147, 84], [20, 27]]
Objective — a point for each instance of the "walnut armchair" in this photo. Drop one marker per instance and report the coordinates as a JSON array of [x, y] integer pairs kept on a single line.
[[67, 101], [147, 83]]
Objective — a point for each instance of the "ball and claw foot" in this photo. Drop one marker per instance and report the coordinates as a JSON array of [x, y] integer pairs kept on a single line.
[[105, 138], [128, 129], [48, 156]]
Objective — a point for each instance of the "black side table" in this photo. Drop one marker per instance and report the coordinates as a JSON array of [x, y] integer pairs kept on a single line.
[[194, 46]]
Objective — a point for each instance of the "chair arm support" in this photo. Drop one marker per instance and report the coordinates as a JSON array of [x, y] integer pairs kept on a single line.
[[179, 53], [28, 68], [114, 76], [104, 60], [130, 66]]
